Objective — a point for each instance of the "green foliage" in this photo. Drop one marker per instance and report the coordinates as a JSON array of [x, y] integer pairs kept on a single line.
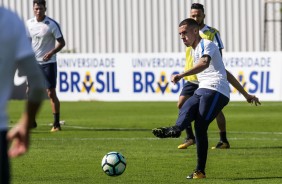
[[94, 128]]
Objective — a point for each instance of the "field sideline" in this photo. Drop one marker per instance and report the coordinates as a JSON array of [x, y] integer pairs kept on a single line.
[[94, 128]]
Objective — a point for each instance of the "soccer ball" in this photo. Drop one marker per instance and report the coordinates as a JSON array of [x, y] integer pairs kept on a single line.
[[113, 164]]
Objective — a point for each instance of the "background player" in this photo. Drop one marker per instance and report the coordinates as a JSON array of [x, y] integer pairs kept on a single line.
[[44, 32]]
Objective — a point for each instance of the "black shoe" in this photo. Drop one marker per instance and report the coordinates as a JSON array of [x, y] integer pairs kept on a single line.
[[165, 132], [222, 145]]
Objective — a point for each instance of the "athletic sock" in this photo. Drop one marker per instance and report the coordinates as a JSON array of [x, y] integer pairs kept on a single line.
[[56, 119], [189, 132], [223, 136]]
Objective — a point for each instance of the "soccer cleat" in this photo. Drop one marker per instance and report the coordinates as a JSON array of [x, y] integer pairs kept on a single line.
[[222, 145], [197, 175], [186, 144], [164, 132], [55, 129]]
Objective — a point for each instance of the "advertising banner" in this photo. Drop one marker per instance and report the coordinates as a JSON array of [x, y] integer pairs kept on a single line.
[[146, 77], [259, 73], [119, 77]]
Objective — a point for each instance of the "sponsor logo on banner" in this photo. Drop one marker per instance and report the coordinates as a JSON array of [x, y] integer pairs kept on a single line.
[[154, 74], [87, 75], [254, 73], [152, 82], [87, 82]]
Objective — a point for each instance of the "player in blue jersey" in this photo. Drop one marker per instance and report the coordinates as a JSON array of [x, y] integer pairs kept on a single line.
[[16, 53], [210, 97], [47, 39]]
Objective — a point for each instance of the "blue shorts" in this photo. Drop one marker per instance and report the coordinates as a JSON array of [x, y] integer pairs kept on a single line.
[[204, 105], [188, 89], [50, 73]]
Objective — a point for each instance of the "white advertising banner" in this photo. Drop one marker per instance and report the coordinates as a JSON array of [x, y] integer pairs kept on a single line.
[[259, 73], [118, 77], [146, 77]]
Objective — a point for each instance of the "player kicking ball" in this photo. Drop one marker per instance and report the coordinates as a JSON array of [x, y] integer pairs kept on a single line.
[[208, 100]]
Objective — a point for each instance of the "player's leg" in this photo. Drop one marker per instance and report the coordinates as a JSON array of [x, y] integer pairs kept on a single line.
[[190, 138], [188, 112], [55, 105], [34, 125], [186, 115], [221, 123], [50, 72], [4, 160], [187, 91], [181, 100], [211, 103], [202, 148]]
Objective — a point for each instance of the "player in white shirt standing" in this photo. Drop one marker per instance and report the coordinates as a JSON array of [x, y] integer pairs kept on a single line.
[[45, 33], [208, 100], [16, 53]]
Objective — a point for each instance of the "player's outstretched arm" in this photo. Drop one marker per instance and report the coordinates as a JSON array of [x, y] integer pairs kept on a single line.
[[234, 82]]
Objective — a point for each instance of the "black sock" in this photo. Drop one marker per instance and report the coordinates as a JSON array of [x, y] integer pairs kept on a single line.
[[56, 119], [223, 136], [189, 132]]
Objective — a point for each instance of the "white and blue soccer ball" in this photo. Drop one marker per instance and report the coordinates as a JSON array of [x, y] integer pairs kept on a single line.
[[113, 163]]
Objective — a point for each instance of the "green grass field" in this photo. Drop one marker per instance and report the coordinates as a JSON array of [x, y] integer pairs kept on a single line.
[[94, 128]]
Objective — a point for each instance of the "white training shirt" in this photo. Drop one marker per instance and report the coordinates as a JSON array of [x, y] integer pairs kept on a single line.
[[14, 46], [44, 35], [216, 40], [214, 77]]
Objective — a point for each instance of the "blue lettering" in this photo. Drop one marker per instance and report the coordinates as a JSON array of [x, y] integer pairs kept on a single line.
[[261, 82], [100, 81], [253, 81], [268, 90], [149, 80], [64, 86], [137, 84], [108, 82], [75, 78], [115, 90], [264, 81]]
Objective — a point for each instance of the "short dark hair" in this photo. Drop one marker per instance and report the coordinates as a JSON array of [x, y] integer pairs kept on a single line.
[[42, 2], [189, 22], [198, 6]]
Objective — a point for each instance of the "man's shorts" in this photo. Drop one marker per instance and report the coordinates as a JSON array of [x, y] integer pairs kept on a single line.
[[50, 73], [188, 89]]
